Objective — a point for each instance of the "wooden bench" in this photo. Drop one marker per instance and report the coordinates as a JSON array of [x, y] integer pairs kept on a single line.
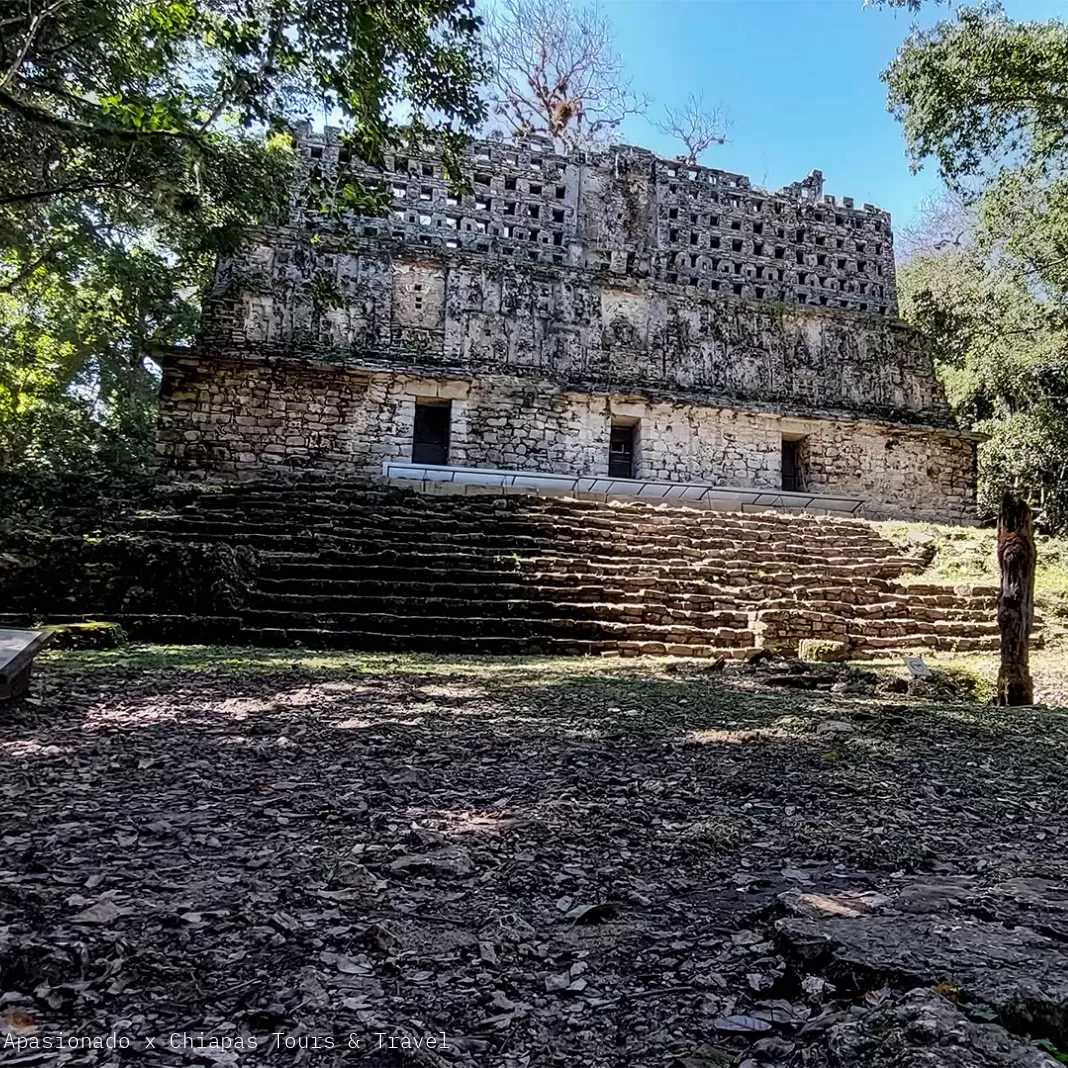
[[17, 650]]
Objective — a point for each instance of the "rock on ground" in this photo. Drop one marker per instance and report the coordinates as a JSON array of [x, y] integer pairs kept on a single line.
[[924, 1030]]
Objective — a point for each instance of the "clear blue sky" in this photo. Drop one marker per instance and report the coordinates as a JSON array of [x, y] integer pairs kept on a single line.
[[799, 79]]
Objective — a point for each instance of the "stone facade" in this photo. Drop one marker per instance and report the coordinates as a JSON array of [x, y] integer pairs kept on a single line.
[[562, 296], [230, 417]]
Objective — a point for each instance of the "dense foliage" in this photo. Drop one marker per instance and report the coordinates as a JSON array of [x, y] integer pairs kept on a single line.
[[141, 137], [987, 99], [1000, 343]]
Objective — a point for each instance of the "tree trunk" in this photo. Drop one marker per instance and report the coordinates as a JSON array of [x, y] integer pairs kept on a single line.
[[1016, 602]]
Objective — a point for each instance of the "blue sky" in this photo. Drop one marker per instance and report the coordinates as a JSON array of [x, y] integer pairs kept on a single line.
[[799, 79]]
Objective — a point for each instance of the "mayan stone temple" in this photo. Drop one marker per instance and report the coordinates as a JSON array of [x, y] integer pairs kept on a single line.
[[608, 316], [602, 403]]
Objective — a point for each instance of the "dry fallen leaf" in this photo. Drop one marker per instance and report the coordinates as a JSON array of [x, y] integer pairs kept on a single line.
[[740, 1023], [21, 1021], [102, 912]]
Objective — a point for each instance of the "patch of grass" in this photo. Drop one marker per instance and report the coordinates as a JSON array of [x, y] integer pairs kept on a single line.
[[250, 660], [968, 682], [604, 681], [958, 554], [91, 634], [1051, 578], [1049, 669], [967, 555]]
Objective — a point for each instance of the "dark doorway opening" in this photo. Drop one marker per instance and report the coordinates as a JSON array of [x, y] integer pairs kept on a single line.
[[430, 439], [621, 452], [792, 466]]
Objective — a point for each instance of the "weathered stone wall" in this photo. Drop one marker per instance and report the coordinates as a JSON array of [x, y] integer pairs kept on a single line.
[[234, 418], [586, 331], [560, 293], [604, 272], [629, 213]]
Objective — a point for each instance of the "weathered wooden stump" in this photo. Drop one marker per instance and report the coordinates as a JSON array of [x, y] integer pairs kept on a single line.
[[1016, 601], [17, 650]]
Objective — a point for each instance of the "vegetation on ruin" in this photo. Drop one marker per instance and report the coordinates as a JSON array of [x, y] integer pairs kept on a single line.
[[141, 138], [122, 573], [965, 555]]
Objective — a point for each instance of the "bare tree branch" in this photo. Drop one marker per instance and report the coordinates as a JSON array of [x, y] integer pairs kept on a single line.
[[944, 220], [557, 71], [697, 127]]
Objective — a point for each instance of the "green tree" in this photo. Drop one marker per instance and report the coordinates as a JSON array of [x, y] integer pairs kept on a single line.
[[143, 137], [980, 93], [986, 98], [1001, 348]]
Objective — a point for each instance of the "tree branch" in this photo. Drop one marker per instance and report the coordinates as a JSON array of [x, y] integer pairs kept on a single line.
[[31, 33], [48, 118]]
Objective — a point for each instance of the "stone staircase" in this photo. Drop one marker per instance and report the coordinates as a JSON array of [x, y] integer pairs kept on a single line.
[[375, 567]]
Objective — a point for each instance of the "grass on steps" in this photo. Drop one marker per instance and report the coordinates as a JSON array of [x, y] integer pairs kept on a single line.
[[966, 555]]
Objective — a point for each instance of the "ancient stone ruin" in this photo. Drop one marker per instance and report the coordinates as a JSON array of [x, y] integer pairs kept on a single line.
[[441, 430], [608, 315]]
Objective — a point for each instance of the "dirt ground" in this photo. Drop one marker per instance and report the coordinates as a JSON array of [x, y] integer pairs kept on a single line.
[[217, 856]]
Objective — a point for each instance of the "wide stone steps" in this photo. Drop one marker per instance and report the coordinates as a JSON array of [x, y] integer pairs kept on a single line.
[[450, 513], [874, 647], [771, 571], [483, 636], [890, 627], [592, 601], [405, 641], [423, 524], [572, 517], [365, 566], [380, 579], [859, 597], [889, 607], [269, 537], [506, 627], [332, 606], [507, 587], [418, 642], [777, 568], [588, 513]]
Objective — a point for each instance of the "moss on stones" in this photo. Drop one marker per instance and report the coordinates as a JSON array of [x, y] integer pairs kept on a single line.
[[823, 651]]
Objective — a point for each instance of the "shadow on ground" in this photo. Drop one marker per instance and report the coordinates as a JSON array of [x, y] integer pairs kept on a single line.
[[548, 861]]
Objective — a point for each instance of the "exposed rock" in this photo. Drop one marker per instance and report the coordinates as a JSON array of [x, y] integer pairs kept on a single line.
[[823, 651], [936, 932], [925, 1030], [845, 903]]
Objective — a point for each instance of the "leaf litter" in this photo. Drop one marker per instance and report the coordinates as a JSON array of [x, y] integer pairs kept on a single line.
[[547, 864]]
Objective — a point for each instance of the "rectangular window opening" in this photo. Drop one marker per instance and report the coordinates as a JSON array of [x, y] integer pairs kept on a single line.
[[793, 463], [430, 435], [621, 450]]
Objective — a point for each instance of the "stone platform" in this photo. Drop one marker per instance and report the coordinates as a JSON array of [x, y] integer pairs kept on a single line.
[[366, 566]]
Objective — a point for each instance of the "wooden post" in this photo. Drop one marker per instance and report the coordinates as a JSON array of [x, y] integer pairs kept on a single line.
[[1016, 601]]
